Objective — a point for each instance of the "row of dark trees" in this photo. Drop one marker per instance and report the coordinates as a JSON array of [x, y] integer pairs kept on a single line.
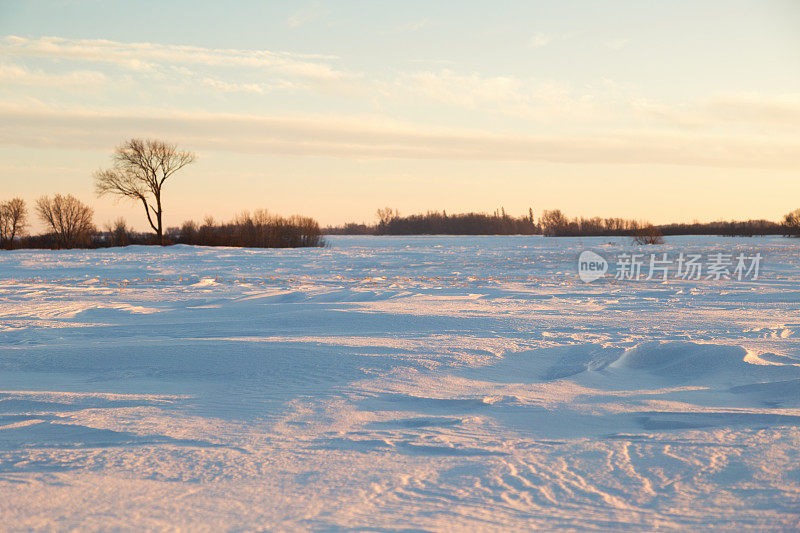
[[440, 223], [748, 228], [140, 167], [554, 223], [69, 223], [257, 230], [139, 170]]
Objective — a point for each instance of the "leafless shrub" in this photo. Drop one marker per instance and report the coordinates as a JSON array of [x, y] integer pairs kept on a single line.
[[119, 233], [648, 234], [69, 219], [188, 231]]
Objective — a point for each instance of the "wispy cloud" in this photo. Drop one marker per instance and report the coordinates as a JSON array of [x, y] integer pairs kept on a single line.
[[508, 95], [617, 44], [753, 108], [233, 87], [550, 120], [18, 75], [411, 27], [462, 90], [305, 15], [360, 137], [146, 56], [540, 40], [775, 115]]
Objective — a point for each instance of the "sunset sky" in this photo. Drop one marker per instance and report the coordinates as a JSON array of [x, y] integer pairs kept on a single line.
[[666, 111]]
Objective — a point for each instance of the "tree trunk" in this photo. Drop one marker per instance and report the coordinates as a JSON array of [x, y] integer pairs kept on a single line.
[[158, 216]]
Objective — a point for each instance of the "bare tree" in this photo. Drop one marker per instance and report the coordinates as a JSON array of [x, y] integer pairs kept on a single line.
[[141, 166], [385, 217], [13, 219], [648, 234], [386, 214], [553, 222], [69, 219], [119, 233], [792, 223]]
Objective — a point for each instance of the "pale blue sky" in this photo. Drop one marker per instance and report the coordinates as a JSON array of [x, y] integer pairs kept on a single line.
[[658, 110]]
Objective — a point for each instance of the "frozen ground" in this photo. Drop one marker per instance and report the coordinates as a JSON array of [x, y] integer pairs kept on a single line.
[[380, 384]]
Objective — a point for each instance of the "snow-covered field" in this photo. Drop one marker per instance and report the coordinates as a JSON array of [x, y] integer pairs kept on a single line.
[[419, 383]]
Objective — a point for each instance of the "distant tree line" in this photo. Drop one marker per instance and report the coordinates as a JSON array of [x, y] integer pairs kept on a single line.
[[746, 228], [141, 167], [69, 225], [554, 223], [139, 170], [440, 223]]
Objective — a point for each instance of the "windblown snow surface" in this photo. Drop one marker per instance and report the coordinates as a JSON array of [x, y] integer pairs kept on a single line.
[[381, 384]]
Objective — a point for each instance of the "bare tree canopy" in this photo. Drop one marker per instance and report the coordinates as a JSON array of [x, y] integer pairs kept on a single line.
[[648, 234], [792, 222], [141, 166], [119, 233], [13, 218], [386, 214], [69, 219], [553, 221]]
